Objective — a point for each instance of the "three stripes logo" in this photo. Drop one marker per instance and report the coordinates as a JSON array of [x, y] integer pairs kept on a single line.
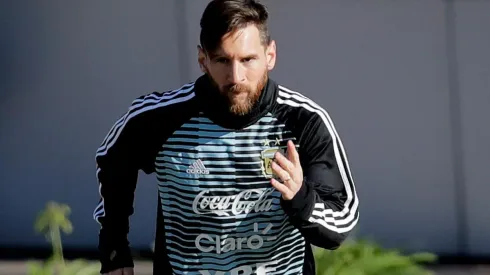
[[197, 167]]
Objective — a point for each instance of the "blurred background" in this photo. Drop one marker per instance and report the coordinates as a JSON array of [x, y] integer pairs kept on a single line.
[[407, 84]]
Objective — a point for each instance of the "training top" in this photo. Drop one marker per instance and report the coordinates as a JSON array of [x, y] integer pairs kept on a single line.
[[218, 212]]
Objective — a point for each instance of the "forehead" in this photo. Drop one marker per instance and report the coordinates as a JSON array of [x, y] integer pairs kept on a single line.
[[244, 41]]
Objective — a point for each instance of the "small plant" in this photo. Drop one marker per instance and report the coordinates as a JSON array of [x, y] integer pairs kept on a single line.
[[51, 222], [365, 257]]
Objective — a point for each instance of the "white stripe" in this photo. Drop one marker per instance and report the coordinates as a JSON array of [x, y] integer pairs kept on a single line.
[[116, 129], [304, 99], [99, 210], [201, 164], [119, 126], [329, 120], [339, 162], [345, 174], [136, 104]]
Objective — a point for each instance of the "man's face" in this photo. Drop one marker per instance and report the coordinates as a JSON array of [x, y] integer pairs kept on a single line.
[[239, 67]]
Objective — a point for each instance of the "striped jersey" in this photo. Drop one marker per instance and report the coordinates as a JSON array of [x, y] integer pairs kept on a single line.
[[217, 210]]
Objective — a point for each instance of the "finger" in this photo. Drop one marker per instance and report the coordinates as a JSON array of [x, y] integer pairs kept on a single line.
[[285, 177], [284, 162], [293, 153], [283, 189]]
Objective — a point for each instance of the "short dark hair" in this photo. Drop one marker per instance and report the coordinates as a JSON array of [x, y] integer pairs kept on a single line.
[[223, 16]]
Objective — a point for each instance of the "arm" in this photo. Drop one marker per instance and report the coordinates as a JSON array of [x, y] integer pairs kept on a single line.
[[325, 208], [118, 161]]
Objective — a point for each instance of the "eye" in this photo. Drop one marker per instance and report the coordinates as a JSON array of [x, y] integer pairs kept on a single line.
[[221, 60], [247, 59]]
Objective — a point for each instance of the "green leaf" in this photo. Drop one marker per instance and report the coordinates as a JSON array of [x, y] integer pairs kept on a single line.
[[35, 268], [366, 257]]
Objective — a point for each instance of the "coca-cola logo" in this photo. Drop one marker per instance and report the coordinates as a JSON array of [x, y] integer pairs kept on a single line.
[[253, 200]]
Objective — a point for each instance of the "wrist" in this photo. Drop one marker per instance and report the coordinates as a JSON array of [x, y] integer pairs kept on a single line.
[[115, 258], [300, 206]]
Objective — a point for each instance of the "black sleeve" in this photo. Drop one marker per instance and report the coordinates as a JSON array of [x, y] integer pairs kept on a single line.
[[119, 158], [326, 207]]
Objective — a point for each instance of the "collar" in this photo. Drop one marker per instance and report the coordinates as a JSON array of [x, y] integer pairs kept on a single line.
[[213, 106]]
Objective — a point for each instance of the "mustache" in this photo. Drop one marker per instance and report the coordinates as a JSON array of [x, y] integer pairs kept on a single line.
[[235, 88]]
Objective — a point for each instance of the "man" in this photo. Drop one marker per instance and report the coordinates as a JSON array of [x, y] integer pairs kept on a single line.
[[250, 173]]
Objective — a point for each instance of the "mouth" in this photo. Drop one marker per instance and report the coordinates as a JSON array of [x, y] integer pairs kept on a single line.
[[238, 95]]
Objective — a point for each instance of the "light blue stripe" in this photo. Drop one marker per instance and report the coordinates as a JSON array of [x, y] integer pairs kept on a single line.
[[178, 207], [274, 207], [247, 155], [291, 261], [240, 186], [227, 258], [285, 232], [193, 155], [171, 183], [169, 191], [268, 118], [202, 119], [215, 141], [193, 215], [221, 134], [263, 134], [265, 119], [211, 148], [265, 127], [290, 265], [194, 178], [226, 228], [279, 220], [201, 133], [201, 140], [191, 182], [186, 186], [184, 165], [169, 161], [214, 148], [176, 167], [206, 127]]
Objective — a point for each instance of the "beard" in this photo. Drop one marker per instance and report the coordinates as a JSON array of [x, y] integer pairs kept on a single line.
[[240, 98]]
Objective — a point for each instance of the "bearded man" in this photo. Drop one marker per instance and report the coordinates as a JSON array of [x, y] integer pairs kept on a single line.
[[250, 174]]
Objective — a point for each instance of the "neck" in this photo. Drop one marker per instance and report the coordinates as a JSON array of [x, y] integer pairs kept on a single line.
[[217, 108]]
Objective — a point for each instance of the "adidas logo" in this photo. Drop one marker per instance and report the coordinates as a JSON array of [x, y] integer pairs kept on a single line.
[[197, 167]]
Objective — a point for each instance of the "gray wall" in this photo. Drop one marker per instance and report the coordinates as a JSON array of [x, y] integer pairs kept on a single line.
[[406, 82]]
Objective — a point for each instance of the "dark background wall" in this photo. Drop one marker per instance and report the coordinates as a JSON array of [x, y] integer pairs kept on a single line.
[[407, 84]]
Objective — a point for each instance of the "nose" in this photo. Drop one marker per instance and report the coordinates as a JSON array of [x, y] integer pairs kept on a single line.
[[236, 74]]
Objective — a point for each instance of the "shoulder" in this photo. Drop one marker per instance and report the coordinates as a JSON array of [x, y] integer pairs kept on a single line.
[[146, 111], [300, 106], [148, 108], [157, 100], [309, 121]]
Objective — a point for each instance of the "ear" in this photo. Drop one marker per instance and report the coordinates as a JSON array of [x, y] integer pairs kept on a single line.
[[201, 58], [271, 55]]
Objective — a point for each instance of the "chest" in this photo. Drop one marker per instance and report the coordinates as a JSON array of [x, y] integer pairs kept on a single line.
[[208, 171]]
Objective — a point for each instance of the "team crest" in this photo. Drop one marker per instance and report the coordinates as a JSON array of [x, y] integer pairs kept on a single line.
[[267, 157]]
